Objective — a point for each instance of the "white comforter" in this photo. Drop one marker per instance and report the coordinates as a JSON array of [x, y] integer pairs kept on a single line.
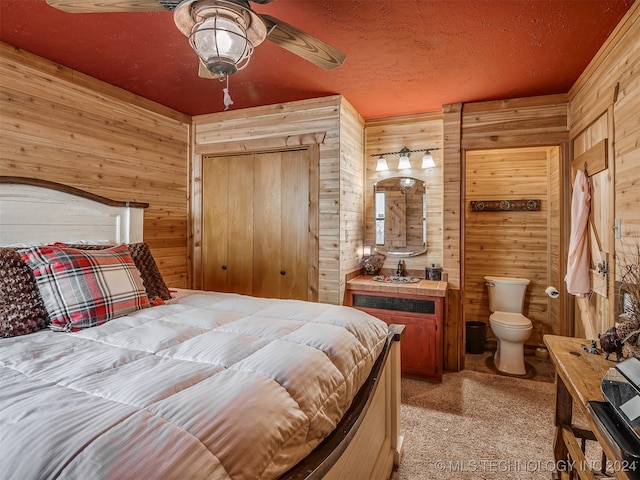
[[211, 386]]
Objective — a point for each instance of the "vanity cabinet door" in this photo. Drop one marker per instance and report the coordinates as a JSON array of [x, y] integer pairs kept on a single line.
[[418, 348]]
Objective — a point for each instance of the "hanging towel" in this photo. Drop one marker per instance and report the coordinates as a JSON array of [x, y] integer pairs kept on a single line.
[[578, 278]]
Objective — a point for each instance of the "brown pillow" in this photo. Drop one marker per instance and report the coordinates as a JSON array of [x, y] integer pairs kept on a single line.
[[21, 308], [145, 263]]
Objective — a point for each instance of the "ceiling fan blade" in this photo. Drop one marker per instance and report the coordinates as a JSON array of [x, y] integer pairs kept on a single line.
[[302, 44], [83, 6], [203, 72]]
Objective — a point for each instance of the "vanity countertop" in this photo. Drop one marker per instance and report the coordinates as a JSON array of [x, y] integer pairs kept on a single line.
[[429, 288]]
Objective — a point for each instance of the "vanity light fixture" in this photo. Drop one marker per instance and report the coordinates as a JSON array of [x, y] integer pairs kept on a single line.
[[427, 160], [403, 162], [382, 165]]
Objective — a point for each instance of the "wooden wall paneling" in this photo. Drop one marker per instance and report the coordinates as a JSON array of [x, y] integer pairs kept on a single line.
[[524, 122], [510, 244], [352, 188], [414, 132], [453, 236], [313, 279], [554, 227], [305, 122], [610, 83], [627, 157], [60, 125], [593, 91], [454, 332], [518, 122], [452, 207]]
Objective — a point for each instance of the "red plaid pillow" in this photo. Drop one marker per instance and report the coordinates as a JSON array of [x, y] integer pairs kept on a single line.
[[82, 289]]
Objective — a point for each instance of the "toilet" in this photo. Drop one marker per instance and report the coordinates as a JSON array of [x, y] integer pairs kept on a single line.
[[511, 328]]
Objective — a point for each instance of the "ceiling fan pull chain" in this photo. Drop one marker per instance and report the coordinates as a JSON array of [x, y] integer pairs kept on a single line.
[[227, 97]]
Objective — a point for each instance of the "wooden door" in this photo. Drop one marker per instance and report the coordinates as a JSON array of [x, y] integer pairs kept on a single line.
[[281, 222], [595, 312], [294, 257], [418, 353], [227, 231]]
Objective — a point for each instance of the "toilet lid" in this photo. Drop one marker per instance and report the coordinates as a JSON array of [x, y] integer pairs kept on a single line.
[[508, 319]]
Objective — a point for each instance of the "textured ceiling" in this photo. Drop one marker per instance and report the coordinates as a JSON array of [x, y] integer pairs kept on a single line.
[[403, 56]]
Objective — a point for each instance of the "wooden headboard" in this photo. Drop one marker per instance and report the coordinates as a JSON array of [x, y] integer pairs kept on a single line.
[[34, 211]]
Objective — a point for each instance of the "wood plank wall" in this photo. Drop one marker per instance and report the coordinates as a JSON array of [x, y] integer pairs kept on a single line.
[[511, 243], [555, 257], [414, 132], [443, 201], [489, 126], [66, 127], [276, 126], [605, 103], [352, 188], [452, 236]]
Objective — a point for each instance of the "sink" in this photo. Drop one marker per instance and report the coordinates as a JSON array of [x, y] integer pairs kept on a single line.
[[396, 279]]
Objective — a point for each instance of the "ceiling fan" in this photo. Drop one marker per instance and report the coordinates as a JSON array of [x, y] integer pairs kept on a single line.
[[223, 33]]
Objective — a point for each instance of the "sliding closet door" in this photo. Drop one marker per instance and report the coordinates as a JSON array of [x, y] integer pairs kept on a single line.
[[268, 224], [260, 216], [295, 225], [281, 224], [227, 207]]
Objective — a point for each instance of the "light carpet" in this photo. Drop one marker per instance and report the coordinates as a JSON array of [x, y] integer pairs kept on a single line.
[[477, 426]]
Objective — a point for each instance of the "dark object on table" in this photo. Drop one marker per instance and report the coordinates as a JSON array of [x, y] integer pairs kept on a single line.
[[593, 350], [618, 418], [610, 343], [433, 272]]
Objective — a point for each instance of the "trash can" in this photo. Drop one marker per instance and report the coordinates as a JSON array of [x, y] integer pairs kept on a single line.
[[475, 332]]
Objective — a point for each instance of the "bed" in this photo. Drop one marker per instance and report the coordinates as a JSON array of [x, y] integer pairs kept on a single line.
[[160, 383]]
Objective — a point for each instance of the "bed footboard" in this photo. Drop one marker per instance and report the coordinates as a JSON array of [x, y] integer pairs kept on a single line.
[[367, 442]]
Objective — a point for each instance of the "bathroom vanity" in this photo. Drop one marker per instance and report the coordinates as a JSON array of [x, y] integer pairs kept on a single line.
[[419, 306]]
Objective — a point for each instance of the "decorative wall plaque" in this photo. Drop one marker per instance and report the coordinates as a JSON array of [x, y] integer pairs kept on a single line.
[[505, 206]]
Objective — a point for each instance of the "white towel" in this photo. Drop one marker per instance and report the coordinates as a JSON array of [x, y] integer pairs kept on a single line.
[[578, 262]]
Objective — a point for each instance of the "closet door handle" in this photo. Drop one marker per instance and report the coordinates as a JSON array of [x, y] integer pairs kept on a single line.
[[224, 267], [282, 272]]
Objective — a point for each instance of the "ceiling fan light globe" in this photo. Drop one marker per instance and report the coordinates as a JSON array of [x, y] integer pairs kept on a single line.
[[221, 44]]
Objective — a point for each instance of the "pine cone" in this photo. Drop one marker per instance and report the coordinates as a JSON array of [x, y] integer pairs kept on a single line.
[[627, 325]]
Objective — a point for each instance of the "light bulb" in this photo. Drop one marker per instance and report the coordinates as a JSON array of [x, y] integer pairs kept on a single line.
[[404, 163], [382, 166], [427, 160]]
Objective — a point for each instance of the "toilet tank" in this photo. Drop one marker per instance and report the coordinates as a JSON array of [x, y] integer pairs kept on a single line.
[[506, 294]]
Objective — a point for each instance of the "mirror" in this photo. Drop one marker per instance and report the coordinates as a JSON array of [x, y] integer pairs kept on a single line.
[[400, 216]]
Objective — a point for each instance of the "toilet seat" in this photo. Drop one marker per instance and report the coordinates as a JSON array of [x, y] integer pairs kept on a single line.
[[510, 320]]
